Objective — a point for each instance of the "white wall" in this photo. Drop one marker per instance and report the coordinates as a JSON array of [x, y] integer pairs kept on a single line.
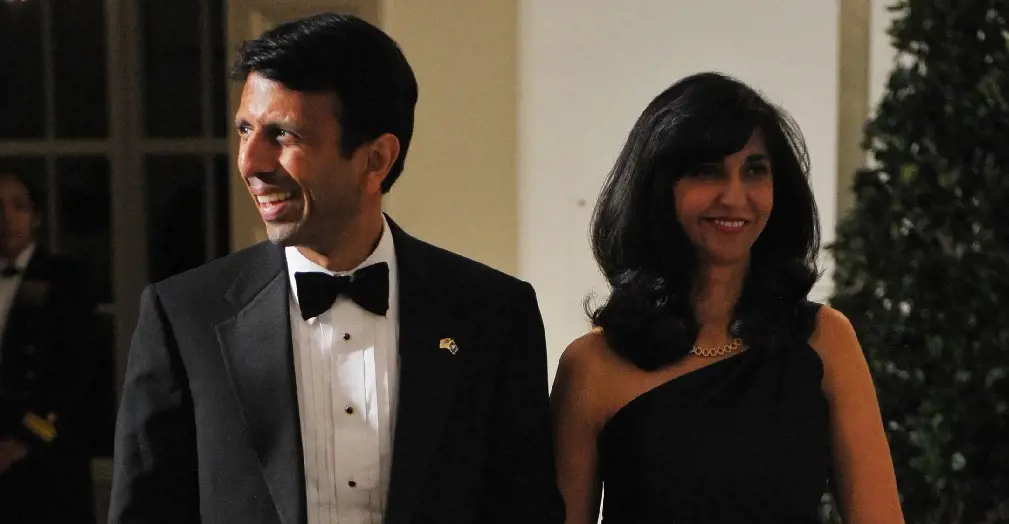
[[459, 189], [586, 70]]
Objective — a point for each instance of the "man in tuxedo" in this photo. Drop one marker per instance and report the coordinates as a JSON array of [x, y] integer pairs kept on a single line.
[[46, 317], [344, 371]]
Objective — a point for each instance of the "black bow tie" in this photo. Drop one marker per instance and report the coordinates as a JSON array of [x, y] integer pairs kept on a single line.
[[368, 287], [10, 271]]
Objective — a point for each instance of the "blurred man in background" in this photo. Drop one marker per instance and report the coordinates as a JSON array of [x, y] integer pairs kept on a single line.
[[46, 317]]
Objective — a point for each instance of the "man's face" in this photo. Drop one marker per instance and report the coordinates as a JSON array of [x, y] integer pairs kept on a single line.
[[307, 192], [18, 217]]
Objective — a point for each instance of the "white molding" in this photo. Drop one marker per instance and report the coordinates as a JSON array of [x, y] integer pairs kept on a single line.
[[183, 146], [43, 148]]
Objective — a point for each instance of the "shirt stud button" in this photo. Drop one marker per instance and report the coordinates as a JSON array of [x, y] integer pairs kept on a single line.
[[349, 410], [346, 336], [352, 484]]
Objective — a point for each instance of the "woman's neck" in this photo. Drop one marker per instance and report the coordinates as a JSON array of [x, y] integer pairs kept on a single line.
[[717, 291]]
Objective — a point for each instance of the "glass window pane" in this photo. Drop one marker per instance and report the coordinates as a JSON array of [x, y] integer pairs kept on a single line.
[[79, 60], [102, 419], [22, 87], [219, 69], [33, 171], [222, 206], [85, 217], [176, 220], [171, 68]]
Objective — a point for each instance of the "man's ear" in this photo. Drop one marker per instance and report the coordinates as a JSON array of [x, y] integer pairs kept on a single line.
[[382, 154]]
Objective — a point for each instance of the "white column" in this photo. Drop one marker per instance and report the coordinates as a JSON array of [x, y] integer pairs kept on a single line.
[[882, 55]]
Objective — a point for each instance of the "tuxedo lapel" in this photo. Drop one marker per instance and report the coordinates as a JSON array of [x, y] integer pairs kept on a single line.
[[257, 351], [428, 373], [31, 296]]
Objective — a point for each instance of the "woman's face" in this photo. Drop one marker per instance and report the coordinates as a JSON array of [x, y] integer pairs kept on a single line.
[[724, 206]]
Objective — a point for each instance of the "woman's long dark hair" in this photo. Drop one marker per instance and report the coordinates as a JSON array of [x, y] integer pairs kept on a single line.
[[645, 255]]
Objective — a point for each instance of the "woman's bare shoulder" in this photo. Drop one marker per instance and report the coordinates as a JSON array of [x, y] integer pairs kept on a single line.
[[596, 377], [833, 336], [589, 353]]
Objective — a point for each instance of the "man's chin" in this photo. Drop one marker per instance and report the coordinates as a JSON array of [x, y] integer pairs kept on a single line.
[[282, 234]]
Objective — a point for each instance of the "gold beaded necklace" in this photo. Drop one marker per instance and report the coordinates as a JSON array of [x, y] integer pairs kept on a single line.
[[718, 351]]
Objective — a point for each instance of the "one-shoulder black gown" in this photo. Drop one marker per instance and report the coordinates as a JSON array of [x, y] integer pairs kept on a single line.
[[742, 440]]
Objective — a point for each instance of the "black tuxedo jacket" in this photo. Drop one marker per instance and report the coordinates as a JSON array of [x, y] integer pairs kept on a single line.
[[208, 428], [46, 366]]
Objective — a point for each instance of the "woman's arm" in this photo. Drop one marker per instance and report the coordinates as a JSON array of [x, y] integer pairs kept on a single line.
[[576, 424], [865, 487]]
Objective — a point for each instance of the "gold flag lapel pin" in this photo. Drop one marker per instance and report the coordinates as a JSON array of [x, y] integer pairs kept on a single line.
[[449, 344], [42, 428]]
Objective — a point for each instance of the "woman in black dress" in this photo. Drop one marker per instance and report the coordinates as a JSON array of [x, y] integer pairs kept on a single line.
[[710, 389]]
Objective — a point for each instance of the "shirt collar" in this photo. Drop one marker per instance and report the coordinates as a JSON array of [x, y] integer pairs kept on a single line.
[[21, 261], [385, 251]]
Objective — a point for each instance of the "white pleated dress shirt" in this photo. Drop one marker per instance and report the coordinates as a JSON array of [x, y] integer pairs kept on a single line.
[[9, 285], [346, 364]]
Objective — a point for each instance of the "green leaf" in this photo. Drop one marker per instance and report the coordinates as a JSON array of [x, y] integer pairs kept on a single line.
[[908, 172], [947, 179], [958, 461]]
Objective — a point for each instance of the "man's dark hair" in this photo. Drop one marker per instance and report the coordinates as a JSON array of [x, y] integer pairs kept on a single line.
[[11, 171], [375, 88]]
